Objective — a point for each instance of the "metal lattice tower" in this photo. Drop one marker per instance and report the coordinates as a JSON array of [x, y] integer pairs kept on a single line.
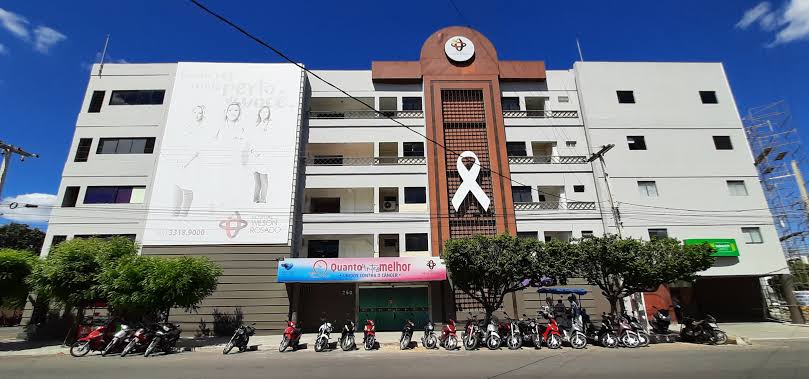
[[779, 159]]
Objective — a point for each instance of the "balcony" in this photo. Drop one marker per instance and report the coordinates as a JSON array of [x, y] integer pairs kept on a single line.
[[540, 114], [555, 205], [548, 159], [364, 114], [363, 161]]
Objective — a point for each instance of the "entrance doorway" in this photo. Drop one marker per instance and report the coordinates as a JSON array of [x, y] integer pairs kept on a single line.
[[390, 307]]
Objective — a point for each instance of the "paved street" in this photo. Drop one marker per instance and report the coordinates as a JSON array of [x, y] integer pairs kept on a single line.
[[771, 359]]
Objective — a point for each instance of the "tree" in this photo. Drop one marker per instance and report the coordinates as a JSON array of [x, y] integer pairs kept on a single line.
[[21, 237], [15, 267], [622, 267], [140, 287], [489, 268]]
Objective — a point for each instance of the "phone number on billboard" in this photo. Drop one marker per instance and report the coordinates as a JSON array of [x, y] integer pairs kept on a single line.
[[186, 232]]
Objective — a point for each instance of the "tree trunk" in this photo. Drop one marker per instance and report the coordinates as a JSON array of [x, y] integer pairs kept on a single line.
[[613, 304]]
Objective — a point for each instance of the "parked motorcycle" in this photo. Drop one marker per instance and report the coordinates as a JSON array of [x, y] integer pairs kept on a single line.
[[240, 338], [323, 335], [512, 333], [606, 335], [471, 335], [627, 336], [527, 327], [165, 339], [643, 338], [407, 334], [492, 335], [140, 339], [119, 339], [550, 332], [292, 336], [429, 340], [661, 321], [449, 338], [701, 331], [96, 340], [369, 335], [347, 336], [575, 334]]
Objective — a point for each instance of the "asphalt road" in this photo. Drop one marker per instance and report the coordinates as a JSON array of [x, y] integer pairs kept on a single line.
[[783, 359]]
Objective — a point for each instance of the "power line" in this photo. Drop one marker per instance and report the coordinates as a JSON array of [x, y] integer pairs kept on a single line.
[[460, 14]]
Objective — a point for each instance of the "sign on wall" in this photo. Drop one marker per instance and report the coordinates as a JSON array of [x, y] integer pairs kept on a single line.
[[725, 247], [227, 156], [406, 269]]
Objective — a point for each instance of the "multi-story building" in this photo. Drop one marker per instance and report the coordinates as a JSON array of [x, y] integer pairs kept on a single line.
[[251, 163]]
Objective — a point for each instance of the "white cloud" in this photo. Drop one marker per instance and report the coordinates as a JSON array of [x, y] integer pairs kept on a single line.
[[14, 23], [790, 22], [22, 214], [45, 38]]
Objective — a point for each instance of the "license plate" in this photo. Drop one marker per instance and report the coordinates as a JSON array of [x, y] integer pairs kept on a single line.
[[712, 325]]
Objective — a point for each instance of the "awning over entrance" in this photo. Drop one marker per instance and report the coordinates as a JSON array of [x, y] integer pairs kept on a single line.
[[331, 270]]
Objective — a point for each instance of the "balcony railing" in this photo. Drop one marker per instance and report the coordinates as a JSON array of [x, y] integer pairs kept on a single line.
[[548, 159], [545, 205], [365, 114], [364, 161], [540, 114]]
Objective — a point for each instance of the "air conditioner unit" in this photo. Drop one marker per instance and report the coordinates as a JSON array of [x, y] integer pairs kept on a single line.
[[389, 205]]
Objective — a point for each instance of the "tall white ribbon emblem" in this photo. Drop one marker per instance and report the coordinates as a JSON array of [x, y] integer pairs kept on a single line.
[[469, 183]]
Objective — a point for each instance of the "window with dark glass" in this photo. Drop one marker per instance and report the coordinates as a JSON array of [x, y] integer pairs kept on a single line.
[[415, 195], [510, 103], [137, 97], [323, 248], [586, 234], [413, 149], [521, 194], [722, 143], [516, 149], [416, 242], [71, 196], [114, 194], [528, 235], [626, 97], [96, 101], [57, 240], [636, 142], [83, 150], [578, 188], [708, 97], [658, 234], [325, 205], [387, 105], [126, 145], [105, 236], [411, 103]]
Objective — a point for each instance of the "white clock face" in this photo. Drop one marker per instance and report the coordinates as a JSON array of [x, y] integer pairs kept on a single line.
[[459, 49]]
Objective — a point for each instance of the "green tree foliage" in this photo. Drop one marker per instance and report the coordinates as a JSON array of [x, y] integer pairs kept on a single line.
[[21, 237], [489, 268], [15, 267], [800, 274], [622, 267]]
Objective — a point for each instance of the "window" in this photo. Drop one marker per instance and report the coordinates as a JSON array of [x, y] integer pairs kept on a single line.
[[387, 104], [323, 249], [722, 143], [636, 142], [126, 145], [413, 149], [325, 205], [510, 103], [586, 234], [578, 188], [753, 235], [658, 234], [528, 235], [411, 103], [516, 149], [535, 106], [647, 189], [521, 194], [105, 236], [626, 97], [96, 102], [83, 150], [415, 195], [737, 188], [71, 196], [114, 195], [57, 240], [563, 99], [138, 97], [416, 242], [708, 97], [570, 143]]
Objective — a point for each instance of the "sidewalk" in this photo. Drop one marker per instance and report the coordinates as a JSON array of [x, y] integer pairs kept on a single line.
[[766, 331]]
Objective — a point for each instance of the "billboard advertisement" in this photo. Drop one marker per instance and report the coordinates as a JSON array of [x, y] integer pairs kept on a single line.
[[227, 156], [403, 269]]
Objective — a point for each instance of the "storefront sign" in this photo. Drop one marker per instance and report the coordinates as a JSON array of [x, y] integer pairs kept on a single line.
[[308, 270], [459, 49], [725, 247]]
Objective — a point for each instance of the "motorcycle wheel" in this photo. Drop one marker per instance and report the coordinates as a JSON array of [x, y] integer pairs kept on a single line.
[[430, 341], [537, 341], [348, 343], [80, 348], [284, 344], [720, 337], [609, 341], [369, 343], [452, 343], [629, 340], [578, 341], [151, 348], [470, 342], [514, 342], [404, 343], [643, 339], [129, 347], [554, 341], [320, 344], [493, 342], [228, 347], [109, 347]]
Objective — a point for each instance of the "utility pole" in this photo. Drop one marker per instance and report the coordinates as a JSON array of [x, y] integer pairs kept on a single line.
[[7, 150], [616, 215]]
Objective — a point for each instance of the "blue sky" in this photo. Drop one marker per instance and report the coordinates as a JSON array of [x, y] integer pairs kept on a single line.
[[46, 48]]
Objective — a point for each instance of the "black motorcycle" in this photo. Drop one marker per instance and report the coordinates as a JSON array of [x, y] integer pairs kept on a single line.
[[347, 336], [407, 334], [606, 335], [702, 331], [240, 338], [165, 339], [661, 321]]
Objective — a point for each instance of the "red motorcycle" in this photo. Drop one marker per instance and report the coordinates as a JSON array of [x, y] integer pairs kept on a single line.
[[551, 334], [369, 332], [449, 338], [96, 340], [292, 334]]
